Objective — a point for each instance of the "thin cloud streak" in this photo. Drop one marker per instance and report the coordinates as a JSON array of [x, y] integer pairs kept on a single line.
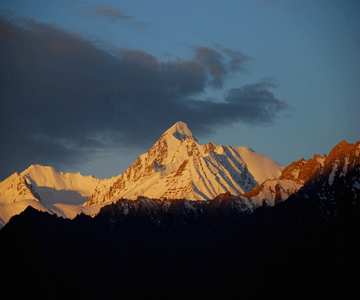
[[111, 15], [64, 99]]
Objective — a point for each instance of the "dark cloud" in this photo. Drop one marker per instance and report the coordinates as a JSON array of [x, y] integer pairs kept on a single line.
[[257, 104], [219, 63], [63, 98], [253, 104], [214, 62]]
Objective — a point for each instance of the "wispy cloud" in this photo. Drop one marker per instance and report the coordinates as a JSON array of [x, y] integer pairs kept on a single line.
[[64, 98], [110, 14]]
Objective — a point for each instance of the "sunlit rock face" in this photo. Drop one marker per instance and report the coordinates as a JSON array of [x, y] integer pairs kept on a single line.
[[327, 175]]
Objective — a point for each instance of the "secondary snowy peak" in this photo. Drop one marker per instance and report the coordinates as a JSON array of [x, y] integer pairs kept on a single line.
[[45, 184], [180, 131], [43, 188], [46, 176], [177, 167]]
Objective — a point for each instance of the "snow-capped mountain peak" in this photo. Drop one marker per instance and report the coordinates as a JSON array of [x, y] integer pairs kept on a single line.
[[177, 167], [45, 189], [180, 131], [45, 184]]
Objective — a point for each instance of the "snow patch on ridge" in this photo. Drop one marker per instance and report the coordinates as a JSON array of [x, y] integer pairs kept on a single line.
[[345, 168], [321, 160], [333, 172]]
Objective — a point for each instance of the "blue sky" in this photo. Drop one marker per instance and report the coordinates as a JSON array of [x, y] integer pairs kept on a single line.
[[298, 60]]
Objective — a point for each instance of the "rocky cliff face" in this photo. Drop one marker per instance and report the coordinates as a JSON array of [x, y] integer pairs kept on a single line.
[[338, 178], [300, 171], [344, 159]]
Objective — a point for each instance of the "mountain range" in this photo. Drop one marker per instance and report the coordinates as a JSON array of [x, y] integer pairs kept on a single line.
[[176, 167], [186, 221]]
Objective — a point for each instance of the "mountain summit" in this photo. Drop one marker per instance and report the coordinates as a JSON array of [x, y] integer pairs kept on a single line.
[[177, 167], [180, 131]]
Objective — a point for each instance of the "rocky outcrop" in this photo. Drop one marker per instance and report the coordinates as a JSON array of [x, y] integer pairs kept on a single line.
[[341, 170], [292, 178], [300, 171], [322, 171]]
